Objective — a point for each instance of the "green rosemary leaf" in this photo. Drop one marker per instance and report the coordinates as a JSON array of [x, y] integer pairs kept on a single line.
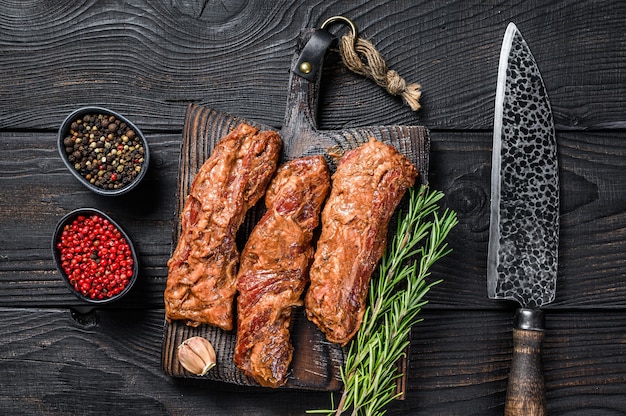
[[396, 296]]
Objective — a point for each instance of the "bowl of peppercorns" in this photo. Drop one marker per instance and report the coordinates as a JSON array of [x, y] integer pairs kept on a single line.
[[94, 256], [104, 150]]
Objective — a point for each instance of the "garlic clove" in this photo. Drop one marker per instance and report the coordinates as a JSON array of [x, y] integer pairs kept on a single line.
[[197, 355]]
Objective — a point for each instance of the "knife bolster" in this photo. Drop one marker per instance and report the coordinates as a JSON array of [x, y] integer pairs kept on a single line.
[[529, 319]]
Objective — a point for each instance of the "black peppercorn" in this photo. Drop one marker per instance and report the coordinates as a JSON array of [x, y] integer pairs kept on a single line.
[[104, 150]]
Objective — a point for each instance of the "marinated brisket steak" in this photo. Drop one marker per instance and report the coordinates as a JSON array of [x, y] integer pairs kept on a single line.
[[274, 267], [367, 187], [202, 276]]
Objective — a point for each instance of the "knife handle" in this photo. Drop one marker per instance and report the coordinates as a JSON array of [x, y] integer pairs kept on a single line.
[[526, 393]]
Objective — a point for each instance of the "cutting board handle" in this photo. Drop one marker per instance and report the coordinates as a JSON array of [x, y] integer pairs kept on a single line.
[[525, 394], [300, 124], [300, 133]]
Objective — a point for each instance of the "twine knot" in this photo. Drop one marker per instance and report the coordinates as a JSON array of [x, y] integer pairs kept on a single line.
[[361, 57]]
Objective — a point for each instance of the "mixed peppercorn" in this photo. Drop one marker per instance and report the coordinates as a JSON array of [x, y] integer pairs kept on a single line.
[[104, 150], [95, 256]]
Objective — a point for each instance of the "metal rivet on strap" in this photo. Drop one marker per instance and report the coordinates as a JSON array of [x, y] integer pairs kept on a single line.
[[305, 67]]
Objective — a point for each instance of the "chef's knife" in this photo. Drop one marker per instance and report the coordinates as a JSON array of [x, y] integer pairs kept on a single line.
[[524, 227]]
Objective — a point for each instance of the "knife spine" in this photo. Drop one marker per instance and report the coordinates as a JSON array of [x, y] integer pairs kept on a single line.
[[492, 266]]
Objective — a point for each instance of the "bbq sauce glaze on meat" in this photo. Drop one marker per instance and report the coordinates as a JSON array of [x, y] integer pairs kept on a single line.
[[367, 187], [202, 275], [274, 267]]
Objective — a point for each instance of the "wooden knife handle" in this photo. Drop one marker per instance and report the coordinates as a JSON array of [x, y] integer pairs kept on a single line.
[[526, 393]]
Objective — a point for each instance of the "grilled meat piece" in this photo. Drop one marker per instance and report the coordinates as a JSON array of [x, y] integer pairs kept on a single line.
[[274, 266], [367, 187], [202, 277]]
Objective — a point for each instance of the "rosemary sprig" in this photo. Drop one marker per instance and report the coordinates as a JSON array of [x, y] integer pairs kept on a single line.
[[396, 297]]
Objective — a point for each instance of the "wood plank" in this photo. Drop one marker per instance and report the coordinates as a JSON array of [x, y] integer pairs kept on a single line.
[[149, 59], [110, 363], [593, 218], [580, 365], [38, 191]]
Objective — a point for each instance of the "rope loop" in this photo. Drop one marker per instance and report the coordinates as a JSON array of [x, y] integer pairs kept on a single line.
[[362, 57]]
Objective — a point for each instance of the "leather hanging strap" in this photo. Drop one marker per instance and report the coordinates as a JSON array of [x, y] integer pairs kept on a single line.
[[360, 56]]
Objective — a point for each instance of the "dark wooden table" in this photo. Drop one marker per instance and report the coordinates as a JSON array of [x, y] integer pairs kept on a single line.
[[150, 59]]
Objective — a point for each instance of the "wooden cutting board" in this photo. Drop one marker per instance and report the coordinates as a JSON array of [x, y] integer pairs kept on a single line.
[[316, 362]]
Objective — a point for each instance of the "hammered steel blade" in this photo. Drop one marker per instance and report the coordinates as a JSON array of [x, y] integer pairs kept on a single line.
[[524, 227]]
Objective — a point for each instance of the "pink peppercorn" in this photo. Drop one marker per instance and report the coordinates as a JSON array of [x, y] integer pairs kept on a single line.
[[95, 256]]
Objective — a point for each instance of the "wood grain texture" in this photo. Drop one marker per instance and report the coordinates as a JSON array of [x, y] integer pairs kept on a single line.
[[39, 191], [149, 60], [54, 363], [525, 394]]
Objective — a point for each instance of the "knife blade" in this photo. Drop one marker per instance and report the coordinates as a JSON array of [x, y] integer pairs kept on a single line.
[[522, 259]]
